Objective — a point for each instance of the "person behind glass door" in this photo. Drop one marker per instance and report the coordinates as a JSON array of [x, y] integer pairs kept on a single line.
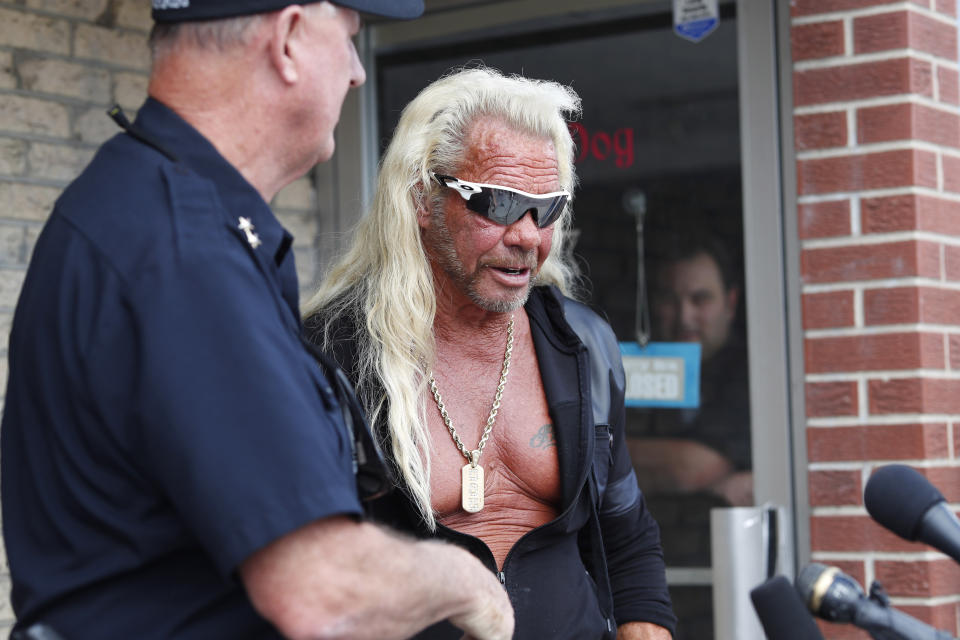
[[175, 462], [695, 298], [452, 288]]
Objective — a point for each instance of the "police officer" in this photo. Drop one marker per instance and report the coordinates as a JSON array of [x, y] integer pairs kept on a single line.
[[175, 464]]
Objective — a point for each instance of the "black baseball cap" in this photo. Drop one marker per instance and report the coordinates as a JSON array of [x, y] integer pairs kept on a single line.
[[187, 10]]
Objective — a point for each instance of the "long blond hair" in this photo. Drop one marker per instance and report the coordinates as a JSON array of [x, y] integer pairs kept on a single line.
[[383, 282]]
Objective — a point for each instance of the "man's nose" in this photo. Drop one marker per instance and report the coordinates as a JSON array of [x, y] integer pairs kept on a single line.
[[523, 233], [358, 74]]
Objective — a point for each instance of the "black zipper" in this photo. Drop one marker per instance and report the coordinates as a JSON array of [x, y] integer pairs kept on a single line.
[[502, 573]]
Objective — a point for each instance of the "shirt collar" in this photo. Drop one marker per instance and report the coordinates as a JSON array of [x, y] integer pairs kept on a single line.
[[193, 150]]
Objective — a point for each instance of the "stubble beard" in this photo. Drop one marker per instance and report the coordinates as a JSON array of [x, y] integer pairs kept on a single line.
[[448, 260]]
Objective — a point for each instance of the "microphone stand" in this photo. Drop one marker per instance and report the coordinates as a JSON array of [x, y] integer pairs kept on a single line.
[[886, 623]]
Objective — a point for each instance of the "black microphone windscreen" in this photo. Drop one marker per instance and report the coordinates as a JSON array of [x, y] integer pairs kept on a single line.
[[897, 497], [782, 612]]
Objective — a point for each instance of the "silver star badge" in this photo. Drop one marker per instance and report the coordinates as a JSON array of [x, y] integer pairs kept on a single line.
[[247, 227]]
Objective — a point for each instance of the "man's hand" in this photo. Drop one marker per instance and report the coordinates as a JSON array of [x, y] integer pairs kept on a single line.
[[340, 579], [676, 464], [736, 488], [490, 614]]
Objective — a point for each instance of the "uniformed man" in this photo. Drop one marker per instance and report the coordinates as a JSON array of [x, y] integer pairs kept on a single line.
[[175, 464]]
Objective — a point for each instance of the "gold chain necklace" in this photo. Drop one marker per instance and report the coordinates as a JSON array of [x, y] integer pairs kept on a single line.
[[471, 488]]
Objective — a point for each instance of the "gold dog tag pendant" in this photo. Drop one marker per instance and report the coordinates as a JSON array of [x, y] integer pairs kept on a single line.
[[472, 487]]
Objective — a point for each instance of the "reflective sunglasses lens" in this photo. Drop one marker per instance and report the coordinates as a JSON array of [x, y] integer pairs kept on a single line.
[[506, 207], [552, 212], [483, 204]]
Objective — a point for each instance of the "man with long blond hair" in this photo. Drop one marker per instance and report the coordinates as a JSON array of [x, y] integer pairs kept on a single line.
[[449, 311]]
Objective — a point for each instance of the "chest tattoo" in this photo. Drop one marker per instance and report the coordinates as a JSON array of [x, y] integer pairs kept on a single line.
[[544, 438]]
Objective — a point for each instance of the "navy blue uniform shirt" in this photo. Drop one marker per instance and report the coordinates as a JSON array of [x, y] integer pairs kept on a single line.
[[162, 418]]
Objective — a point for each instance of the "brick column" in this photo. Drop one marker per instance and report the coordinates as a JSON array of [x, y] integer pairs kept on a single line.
[[877, 133]]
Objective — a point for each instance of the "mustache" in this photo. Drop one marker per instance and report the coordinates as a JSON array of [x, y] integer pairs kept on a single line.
[[517, 258]]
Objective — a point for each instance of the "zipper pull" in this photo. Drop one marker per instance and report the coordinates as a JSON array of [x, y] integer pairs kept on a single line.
[[503, 578]]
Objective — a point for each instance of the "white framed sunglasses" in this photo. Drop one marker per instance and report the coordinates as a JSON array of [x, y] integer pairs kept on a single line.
[[504, 205]]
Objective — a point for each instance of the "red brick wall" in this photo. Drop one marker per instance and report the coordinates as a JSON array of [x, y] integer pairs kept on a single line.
[[877, 136]]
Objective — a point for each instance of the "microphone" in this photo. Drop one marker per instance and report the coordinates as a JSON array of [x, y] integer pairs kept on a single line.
[[835, 596], [902, 500], [781, 611]]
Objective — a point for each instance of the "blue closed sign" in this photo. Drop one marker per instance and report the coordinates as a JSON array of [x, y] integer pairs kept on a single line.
[[661, 374]]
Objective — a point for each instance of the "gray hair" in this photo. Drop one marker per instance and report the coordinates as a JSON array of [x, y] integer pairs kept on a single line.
[[221, 35]]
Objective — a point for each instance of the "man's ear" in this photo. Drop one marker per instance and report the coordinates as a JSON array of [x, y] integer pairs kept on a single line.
[[732, 295], [423, 216], [286, 30], [421, 205]]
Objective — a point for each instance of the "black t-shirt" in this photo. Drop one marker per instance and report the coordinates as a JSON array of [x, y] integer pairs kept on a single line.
[[722, 421]]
